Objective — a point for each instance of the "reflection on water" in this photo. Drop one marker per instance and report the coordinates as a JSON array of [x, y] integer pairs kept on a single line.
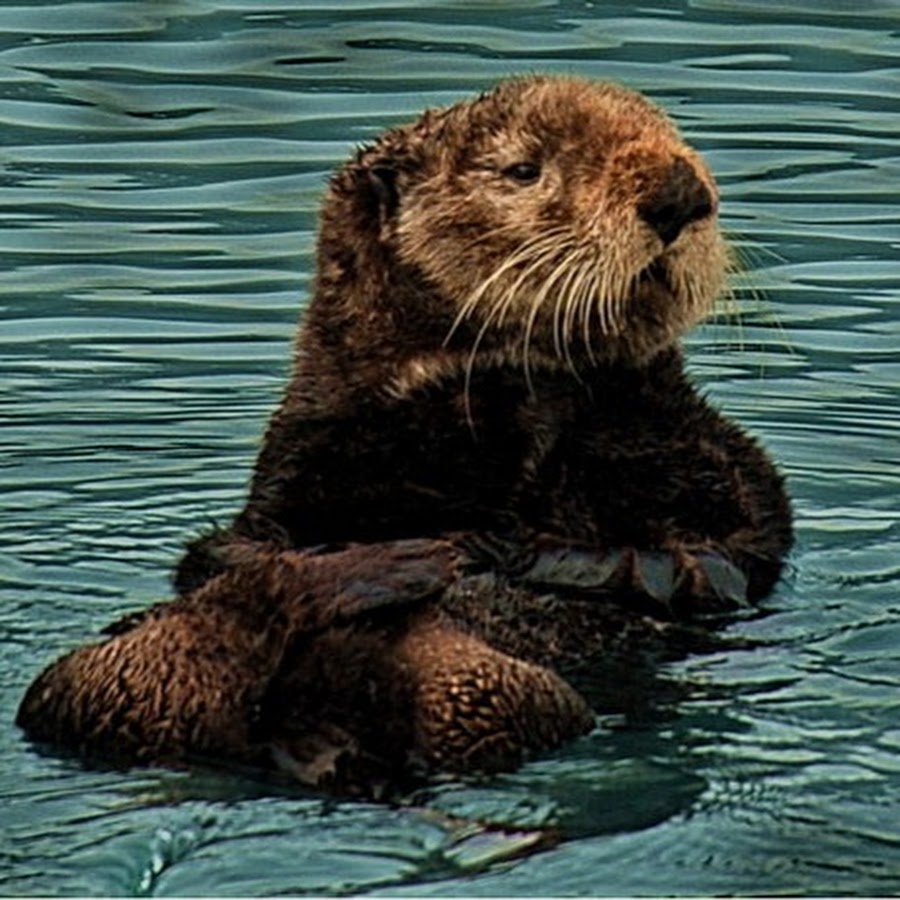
[[160, 171]]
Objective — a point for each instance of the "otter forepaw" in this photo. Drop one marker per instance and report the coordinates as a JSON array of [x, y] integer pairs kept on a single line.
[[322, 586], [396, 572], [678, 580], [685, 581]]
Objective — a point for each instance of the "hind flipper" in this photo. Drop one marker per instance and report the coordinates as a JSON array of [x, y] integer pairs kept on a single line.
[[185, 678]]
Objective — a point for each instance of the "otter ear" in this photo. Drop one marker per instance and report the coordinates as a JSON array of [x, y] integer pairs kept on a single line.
[[382, 182], [380, 174]]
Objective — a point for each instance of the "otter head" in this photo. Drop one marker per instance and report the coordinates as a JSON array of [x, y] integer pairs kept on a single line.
[[552, 221]]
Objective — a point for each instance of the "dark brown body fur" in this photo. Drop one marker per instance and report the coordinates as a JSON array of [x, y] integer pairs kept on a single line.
[[482, 472]]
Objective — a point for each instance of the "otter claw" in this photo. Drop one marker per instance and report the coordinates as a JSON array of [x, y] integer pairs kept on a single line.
[[654, 575], [573, 568], [725, 579]]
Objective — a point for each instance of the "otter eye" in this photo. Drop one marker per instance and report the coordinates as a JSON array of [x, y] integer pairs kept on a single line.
[[523, 172]]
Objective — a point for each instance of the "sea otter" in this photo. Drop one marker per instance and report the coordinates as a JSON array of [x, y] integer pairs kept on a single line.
[[488, 469]]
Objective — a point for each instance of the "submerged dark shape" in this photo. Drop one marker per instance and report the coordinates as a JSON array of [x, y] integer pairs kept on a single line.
[[488, 471]]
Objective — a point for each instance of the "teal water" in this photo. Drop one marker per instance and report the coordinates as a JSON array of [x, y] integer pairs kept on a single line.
[[160, 165]]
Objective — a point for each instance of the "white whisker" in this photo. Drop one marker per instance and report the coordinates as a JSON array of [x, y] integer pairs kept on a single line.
[[524, 253], [573, 289], [545, 247], [536, 303]]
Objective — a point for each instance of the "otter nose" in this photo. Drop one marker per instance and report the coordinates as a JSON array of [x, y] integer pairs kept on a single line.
[[680, 199]]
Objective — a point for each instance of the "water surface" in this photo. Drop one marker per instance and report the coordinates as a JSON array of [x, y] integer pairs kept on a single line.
[[161, 167]]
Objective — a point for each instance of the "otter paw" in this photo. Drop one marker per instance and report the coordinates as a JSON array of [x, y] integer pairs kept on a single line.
[[396, 572], [679, 580], [318, 587]]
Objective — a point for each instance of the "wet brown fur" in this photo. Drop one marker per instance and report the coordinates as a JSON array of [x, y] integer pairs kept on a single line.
[[488, 467]]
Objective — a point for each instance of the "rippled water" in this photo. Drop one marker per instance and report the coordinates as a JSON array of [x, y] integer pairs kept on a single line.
[[161, 164]]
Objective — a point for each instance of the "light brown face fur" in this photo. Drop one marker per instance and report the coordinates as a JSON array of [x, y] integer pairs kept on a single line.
[[518, 221]]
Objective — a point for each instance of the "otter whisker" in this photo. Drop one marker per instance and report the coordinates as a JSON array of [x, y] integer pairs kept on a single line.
[[520, 254], [573, 285], [736, 268], [622, 291], [601, 299], [571, 265], [512, 295], [547, 251], [525, 252], [499, 309], [619, 284], [538, 301], [605, 297], [504, 301], [476, 296], [590, 289], [561, 271]]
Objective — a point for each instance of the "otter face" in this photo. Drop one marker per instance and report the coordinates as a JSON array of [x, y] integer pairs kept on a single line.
[[556, 218]]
